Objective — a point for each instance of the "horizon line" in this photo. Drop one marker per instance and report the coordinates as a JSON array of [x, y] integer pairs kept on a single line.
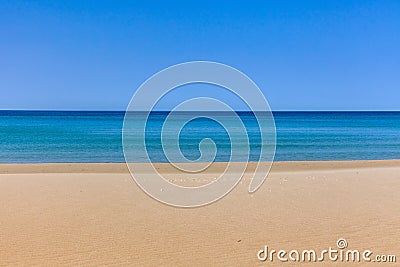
[[277, 110]]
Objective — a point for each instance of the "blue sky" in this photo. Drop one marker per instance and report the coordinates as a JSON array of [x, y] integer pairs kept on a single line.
[[304, 55]]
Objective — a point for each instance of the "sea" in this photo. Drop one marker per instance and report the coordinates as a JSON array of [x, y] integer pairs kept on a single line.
[[96, 136]]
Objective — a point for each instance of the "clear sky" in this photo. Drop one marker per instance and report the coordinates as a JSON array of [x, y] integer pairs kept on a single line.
[[304, 55]]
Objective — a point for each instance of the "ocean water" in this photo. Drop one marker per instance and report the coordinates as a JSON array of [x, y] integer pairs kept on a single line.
[[71, 136]]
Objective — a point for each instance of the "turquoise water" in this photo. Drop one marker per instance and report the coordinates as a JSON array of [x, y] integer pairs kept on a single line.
[[60, 136]]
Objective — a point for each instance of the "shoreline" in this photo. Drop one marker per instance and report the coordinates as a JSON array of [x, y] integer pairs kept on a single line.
[[277, 166]]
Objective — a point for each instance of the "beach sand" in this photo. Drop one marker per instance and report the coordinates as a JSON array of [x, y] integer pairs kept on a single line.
[[95, 214]]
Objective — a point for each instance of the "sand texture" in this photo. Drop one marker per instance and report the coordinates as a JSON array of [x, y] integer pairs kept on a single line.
[[95, 214]]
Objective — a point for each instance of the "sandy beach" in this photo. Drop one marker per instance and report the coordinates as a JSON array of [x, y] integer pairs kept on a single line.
[[95, 214]]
